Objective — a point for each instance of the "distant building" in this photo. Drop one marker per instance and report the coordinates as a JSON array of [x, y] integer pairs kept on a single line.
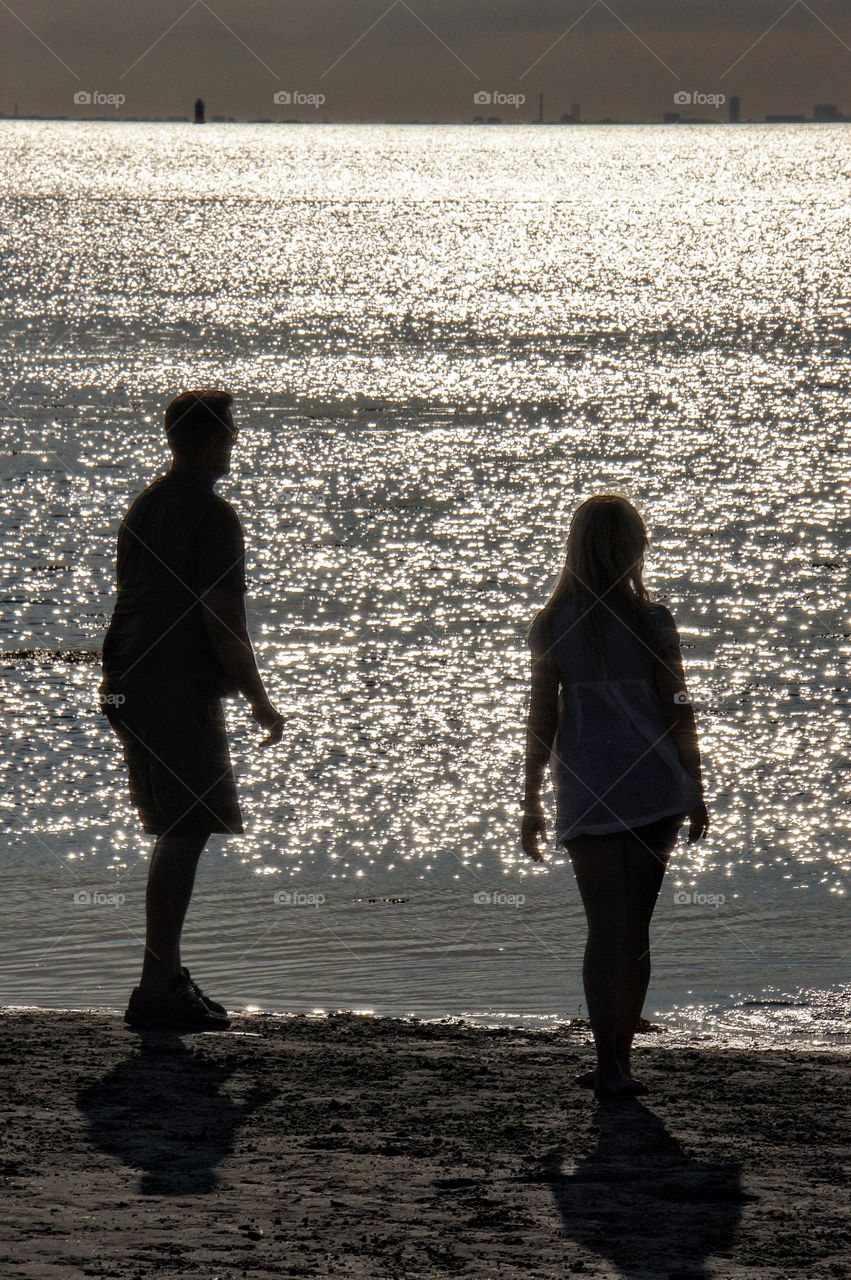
[[671, 117], [826, 113], [540, 108], [785, 119], [735, 110], [199, 110], [576, 111]]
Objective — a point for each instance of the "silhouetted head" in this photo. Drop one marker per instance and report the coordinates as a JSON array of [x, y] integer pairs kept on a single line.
[[201, 432], [604, 565], [606, 545]]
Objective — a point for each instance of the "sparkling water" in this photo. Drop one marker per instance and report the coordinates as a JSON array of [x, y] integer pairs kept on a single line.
[[441, 340]]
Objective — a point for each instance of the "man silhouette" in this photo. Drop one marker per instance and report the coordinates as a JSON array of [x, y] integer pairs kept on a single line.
[[176, 644]]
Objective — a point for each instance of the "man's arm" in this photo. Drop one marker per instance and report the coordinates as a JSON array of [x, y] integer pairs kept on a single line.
[[220, 583], [223, 611], [224, 619]]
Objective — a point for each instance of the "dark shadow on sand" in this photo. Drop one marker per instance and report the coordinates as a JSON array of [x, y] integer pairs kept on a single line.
[[642, 1202], [166, 1111]]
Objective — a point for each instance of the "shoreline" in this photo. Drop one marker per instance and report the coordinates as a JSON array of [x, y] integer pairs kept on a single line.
[[354, 1145], [577, 1030]]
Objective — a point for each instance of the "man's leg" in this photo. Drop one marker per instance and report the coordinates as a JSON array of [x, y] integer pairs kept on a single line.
[[171, 877]]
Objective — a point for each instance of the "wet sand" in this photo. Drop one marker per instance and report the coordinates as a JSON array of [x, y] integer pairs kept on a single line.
[[367, 1147]]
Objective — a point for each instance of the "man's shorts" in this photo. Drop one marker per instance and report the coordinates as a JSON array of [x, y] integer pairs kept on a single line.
[[176, 748]]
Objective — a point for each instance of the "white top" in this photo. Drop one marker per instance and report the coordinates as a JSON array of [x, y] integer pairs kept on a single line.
[[614, 763]]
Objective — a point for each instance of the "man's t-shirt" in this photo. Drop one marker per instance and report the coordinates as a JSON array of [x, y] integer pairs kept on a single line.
[[178, 540]]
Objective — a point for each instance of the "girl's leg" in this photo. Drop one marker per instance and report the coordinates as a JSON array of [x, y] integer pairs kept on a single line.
[[647, 850], [598, 862]]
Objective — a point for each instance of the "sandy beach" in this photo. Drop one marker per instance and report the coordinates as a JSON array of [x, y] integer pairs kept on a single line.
[[368, 1147]]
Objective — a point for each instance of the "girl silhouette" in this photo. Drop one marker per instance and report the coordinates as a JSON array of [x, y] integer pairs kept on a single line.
[[610, 715]]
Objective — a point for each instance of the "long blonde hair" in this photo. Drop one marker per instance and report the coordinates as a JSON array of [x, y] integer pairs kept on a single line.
[[603, 570]]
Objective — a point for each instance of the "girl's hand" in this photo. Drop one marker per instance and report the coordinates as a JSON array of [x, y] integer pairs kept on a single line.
[[270, 720], [534, 826], [699, 823]]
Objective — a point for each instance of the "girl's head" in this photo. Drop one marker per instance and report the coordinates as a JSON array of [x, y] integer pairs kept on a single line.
[[605, 550], [604, 566]]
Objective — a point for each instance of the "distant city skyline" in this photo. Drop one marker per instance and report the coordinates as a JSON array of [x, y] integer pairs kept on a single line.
[[424, 59], [821, 113]]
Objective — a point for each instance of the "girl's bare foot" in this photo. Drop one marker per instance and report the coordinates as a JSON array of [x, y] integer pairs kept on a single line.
[[588, 1080], [616, 1085], [636, 1086]]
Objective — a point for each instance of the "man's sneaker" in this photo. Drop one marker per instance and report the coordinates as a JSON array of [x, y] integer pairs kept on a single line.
[[212, 1005], [180, 1010]]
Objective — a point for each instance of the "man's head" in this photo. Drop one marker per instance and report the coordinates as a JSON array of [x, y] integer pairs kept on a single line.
[[200, 430]]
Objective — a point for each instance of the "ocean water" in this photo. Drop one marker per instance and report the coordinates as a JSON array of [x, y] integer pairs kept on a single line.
[[441, 340]]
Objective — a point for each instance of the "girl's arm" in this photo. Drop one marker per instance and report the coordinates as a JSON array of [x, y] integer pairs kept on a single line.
[[540, 726], [676, 703]]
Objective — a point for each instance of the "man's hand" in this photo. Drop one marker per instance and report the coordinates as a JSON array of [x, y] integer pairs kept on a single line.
[[698, 823], [534, 826], [268, 718]]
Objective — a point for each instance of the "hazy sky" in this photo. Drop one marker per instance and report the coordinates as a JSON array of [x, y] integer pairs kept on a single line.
[[423, 59]]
